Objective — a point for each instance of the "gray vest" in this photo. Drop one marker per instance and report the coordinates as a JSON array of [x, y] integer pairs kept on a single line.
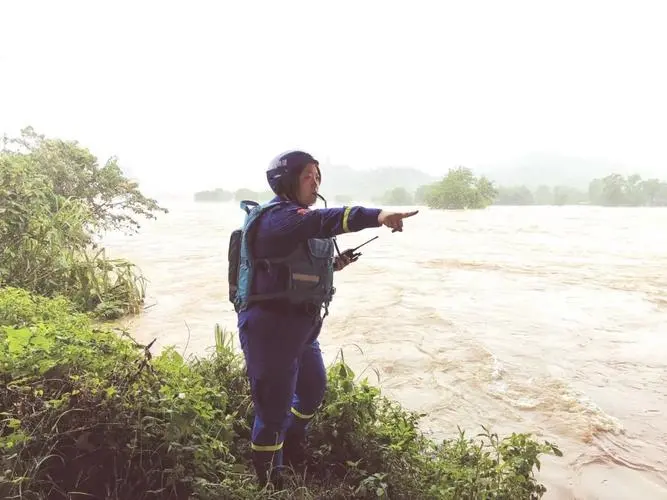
[[309, 269]]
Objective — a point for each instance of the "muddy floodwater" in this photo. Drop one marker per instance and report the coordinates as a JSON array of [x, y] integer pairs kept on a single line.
[[551, 320]]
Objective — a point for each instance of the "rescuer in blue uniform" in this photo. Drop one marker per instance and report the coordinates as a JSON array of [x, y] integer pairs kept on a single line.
[[285, 281]]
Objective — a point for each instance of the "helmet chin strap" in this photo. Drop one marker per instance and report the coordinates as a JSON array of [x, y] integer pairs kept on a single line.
[[334, 238]]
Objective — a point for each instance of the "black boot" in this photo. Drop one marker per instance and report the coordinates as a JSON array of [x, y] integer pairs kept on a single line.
[[266, 474], [294, 452], [275, 480]]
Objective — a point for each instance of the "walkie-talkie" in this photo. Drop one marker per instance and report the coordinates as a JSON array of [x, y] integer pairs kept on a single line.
[[352, 252]]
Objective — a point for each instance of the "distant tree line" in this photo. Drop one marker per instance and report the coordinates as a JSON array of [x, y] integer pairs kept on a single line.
[[613, 190], [222, 195], [616, 190], [461, 189]]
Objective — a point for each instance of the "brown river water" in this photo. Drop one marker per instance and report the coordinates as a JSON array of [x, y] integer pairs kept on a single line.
[[551, 320]]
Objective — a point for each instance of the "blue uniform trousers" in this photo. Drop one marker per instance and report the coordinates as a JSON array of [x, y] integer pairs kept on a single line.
[[287, 379]]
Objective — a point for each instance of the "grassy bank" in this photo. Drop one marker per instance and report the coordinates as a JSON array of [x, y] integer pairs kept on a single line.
[[88, 413]]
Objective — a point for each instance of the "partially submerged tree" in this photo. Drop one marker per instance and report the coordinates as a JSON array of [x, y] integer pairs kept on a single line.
[[459, 189]]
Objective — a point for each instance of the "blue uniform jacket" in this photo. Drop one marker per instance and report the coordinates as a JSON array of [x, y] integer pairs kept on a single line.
[[274, 339]]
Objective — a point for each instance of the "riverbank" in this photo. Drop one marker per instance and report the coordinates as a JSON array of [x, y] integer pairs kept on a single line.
[[88, 410]]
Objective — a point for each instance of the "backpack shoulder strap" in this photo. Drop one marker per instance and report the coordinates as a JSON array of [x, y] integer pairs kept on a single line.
[[248, 205]]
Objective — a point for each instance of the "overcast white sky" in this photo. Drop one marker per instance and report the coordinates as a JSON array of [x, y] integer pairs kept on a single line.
[[215, 89]]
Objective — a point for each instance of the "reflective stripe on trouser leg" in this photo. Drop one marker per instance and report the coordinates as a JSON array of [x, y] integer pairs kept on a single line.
[[267, 447], [300, 415], [267, 459], [298, 423], [272, 398]]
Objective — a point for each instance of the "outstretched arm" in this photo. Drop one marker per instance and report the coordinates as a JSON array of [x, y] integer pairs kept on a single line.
[[302, 224]]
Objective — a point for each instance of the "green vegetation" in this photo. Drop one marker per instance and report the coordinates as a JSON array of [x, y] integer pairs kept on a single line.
[[396, 197], [613, 190], [543, 195], [87, 412], [616, 190], [90, 411], [55, 200], [459, 189], [341, 184]]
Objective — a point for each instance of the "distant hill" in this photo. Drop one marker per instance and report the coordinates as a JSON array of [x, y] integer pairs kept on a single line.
[[341, 180], [537, 169]]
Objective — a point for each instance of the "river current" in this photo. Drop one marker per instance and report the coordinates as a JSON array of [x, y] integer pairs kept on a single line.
[[551, 320]]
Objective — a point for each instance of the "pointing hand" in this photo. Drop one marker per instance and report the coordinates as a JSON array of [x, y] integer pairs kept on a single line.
[[394, 220]]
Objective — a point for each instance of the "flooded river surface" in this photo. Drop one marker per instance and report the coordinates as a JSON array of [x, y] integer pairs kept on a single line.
[[551, 320]]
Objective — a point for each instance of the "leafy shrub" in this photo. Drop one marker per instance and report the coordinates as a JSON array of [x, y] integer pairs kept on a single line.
[[86, 412], [54, 201]]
